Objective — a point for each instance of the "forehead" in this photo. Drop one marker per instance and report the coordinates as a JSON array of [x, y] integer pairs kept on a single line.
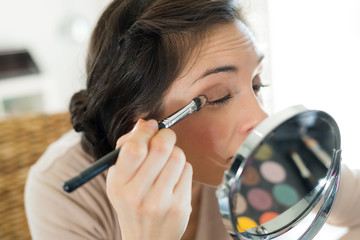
[[235, 35], [224, 44]]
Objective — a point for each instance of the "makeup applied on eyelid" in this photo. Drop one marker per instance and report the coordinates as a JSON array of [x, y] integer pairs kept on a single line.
[[228, 96]]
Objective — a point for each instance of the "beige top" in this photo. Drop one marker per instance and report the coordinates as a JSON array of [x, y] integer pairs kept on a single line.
[[87, 213]]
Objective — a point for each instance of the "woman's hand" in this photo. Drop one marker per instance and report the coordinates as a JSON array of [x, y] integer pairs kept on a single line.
[[150, 184]]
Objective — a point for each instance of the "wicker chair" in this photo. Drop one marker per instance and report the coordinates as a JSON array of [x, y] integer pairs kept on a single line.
[[22, 141]]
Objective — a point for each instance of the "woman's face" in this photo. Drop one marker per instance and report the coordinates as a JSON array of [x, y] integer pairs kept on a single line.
[[226, 71]]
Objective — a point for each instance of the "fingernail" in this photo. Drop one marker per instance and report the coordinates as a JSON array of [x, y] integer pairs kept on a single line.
[[137, 124], [153, 124]]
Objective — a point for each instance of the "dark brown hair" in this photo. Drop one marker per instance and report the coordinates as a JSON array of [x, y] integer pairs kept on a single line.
[[137, 50]]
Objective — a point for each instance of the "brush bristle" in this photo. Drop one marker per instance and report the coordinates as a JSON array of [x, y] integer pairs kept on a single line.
[[200, 102]]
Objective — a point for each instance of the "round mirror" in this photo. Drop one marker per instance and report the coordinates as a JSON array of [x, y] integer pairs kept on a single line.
[[280, 172]]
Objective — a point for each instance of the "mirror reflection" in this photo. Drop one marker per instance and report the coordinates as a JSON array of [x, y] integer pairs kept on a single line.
[[286, 168]]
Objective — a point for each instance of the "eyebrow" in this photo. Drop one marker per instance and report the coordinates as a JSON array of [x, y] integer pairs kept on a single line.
[[224, 69], [218, 70]]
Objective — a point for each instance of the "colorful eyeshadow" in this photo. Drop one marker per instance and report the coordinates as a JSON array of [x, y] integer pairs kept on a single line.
[[241, 205], [259, 199], [265, 152], [266, 190], [250, 177], [285, 195], [244, 223], [273, 172], [267, 216]]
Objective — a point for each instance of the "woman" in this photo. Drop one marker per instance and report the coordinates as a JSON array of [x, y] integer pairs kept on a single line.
[[146, 60]]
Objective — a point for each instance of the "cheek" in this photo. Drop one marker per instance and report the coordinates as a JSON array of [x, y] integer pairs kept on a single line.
[[205, 144], [204, 137]]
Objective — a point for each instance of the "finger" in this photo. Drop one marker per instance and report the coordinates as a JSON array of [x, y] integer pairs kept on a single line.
[[163, 188], [170, 174], [160, 149], [182, 190], [126, 136], [123, 139], [134, 151], [181, 198]]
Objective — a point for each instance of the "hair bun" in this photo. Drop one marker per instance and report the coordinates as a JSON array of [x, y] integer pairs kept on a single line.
[[78, 106]]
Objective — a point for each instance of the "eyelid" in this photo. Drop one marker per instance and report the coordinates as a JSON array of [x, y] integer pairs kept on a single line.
[[219, 101], [257, 81], [257, 87]]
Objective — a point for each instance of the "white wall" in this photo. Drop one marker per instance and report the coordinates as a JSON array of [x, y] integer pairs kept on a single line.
[[44, 28], [315, 48]]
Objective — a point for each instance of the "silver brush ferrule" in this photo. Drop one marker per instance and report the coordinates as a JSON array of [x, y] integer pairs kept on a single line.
[[195, 105]]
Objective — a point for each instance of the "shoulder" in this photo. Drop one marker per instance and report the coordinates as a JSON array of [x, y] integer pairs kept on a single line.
[[62, 158], [86, 213]]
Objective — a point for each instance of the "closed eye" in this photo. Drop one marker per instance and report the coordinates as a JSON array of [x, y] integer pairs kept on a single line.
[[257, 84], [256, 88], [220, 101]]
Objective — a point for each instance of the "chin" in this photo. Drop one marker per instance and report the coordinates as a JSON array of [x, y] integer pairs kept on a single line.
[[210, 178]]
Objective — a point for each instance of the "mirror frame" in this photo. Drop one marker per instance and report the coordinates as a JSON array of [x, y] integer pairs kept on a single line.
[[326, 189]]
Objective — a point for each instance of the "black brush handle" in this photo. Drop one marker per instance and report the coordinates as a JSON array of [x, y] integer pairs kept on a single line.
[[97, 167], [92, 171], [109, 159]]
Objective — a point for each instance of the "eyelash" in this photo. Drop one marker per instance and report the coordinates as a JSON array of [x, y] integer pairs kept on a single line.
[[256, 88], [220, 101]]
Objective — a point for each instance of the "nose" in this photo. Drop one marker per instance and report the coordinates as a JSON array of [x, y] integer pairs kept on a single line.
[[252, 114]]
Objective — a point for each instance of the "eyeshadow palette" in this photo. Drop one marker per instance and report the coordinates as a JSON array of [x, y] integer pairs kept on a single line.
[[274, 180]]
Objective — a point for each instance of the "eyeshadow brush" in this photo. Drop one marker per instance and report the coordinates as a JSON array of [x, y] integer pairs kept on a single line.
[[317, 150], [109, 159], [304, 171]]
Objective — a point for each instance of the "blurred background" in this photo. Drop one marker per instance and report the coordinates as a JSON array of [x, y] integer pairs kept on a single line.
[[311, 47], [55, 34]]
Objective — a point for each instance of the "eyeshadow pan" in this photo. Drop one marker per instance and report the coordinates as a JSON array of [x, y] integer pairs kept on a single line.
[[259, 199], [265, 152], [267, 216], [285, 194], [273, 172], [244, 223], [251, 176], [241, 205]]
